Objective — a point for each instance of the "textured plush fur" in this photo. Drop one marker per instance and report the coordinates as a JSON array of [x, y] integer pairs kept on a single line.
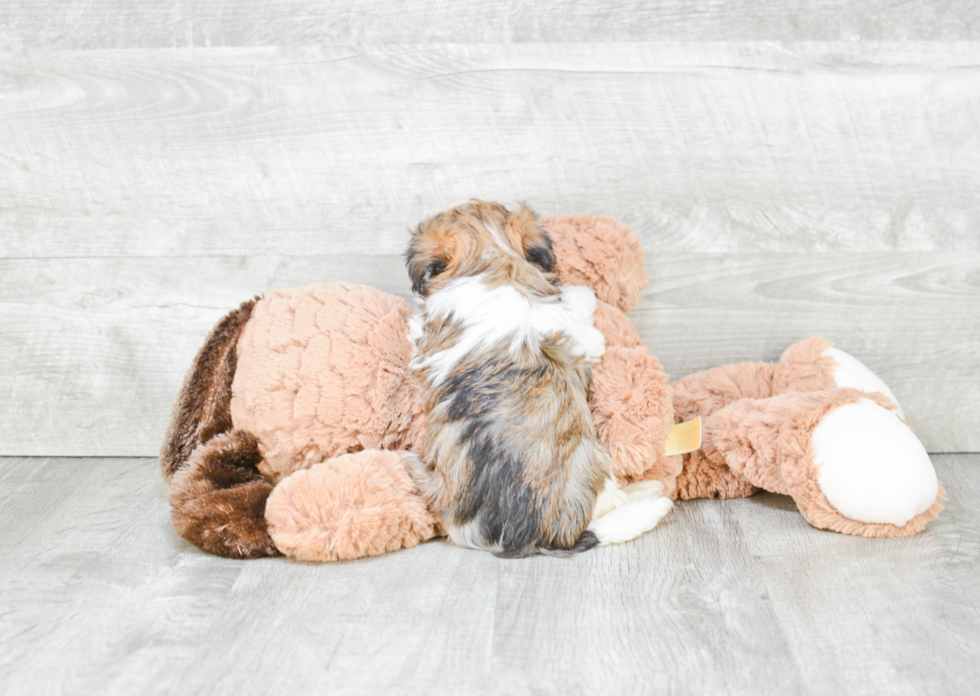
[[203, 407], [757, 434], [218, 499], [706, 473], [598, 253], [217, 494], [323, 371], [354, 505], [769, 443], [511, 462]]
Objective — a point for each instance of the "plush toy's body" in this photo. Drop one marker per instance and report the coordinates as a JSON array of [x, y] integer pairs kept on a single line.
[[291, 429]]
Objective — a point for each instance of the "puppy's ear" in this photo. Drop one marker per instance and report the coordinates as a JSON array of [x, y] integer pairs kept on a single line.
[[415, 261], [535, 242], [422, 266], [542, 255]]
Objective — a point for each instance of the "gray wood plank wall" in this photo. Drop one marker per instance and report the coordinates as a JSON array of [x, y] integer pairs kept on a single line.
[[789, 173]]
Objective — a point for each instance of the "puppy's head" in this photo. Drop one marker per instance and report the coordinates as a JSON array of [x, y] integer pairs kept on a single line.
[[482, 237]]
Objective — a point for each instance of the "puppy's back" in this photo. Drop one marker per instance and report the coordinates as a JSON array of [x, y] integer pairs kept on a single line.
[[514, 448]]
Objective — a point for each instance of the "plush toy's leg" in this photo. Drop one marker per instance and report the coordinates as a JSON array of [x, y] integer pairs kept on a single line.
[[347, 507], [850, 463], [802, 367], [706, 474], [812, 364], [218, 498], [851, 373], [807, 366]]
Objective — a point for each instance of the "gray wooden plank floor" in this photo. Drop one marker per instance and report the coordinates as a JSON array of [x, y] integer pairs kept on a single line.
[[99, 596]]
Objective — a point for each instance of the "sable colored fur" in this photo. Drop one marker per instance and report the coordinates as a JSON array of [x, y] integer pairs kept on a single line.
[[511, 461], [216, 492]]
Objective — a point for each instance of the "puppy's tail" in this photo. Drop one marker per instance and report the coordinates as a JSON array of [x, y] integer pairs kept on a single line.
[[587, 541], [217, 494]]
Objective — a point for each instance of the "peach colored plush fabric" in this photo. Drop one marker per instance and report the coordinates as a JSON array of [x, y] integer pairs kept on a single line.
[[769, 443], [323, 371], [351, 506], [800, 368], [705, 473], [323, 384], [631, 404], [601, 254]]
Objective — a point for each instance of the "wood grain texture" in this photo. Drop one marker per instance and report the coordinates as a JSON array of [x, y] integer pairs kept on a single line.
[[731, 147], [129, 24], [94, 350], [99, 596]]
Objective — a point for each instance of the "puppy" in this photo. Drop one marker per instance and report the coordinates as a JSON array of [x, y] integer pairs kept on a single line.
[[504, 359]]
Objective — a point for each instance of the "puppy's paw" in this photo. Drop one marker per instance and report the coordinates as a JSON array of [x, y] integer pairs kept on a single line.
[[645, 489], [630, 520], [610, 498]]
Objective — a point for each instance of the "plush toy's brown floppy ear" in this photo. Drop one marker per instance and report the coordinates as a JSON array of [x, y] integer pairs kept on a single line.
[[217, 493]]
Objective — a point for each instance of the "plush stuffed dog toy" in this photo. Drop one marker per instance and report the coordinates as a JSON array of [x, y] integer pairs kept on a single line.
[[292, 431]]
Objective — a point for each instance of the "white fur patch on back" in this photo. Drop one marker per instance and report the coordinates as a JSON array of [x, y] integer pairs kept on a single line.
[[503, 314], [870, 465]]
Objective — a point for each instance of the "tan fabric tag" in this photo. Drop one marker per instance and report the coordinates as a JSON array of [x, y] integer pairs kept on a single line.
[[684, 437]]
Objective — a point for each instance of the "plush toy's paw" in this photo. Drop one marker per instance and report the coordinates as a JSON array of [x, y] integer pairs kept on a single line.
[[347, 507], [848, 461], [871, 467], [644, 489], [851, 373]]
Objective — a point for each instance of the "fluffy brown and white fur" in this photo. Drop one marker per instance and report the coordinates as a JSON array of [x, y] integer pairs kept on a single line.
[[504, 358]]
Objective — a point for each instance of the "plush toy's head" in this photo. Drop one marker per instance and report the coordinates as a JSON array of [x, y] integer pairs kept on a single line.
[[599, 253], [483, 238]]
